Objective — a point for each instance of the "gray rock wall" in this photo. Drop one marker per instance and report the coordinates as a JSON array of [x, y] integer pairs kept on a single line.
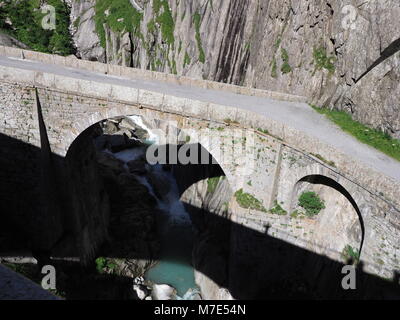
[[247, 42]]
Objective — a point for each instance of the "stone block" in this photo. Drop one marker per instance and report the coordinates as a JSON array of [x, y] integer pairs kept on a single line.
[[13, 52], [197, 109], [120, 93], [150, 98], [66, 84], [95, 88], [44, 79], [174, 104], [221, 113]]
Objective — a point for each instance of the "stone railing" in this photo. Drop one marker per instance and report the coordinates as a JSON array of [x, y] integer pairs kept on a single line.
[[346, 165], [132, 73]]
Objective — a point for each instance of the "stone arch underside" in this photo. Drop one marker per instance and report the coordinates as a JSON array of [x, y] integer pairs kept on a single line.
[[374, 213], [341, 220], [180, 122]]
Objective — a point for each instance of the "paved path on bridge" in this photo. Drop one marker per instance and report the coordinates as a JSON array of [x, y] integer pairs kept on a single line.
[[297, 115]]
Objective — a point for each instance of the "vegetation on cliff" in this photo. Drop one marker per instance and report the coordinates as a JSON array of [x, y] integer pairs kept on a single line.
[[248, 201], [323, 61], [164, 20], [277, 209], [23, 20], [119, 15], [375, 138], [212, 184], [351, 254], [197, 24], [311, 202], [286, 68]]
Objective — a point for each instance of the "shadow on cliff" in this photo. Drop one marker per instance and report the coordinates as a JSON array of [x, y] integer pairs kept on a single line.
[[251, 264], [388, 52]]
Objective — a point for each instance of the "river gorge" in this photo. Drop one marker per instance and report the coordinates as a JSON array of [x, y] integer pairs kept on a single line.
[[199, 150]]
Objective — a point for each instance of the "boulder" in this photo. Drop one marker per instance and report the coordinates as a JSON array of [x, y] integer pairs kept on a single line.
[[141, 291], [191, 294], [163, 292], [110, 127], [138, 280], [127, 124]]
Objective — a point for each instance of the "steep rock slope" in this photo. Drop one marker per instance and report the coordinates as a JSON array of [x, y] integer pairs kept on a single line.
[[9, 41], [341, 55]]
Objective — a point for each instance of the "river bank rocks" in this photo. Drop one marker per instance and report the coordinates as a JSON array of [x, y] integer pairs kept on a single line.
[[163, 292], [123, 126]]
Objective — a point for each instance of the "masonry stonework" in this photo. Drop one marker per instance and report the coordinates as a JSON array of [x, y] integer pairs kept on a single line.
[[282, 157]]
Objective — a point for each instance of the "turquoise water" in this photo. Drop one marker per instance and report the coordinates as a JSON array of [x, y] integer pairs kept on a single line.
[[174, 226], [175, 274], [174, 267]]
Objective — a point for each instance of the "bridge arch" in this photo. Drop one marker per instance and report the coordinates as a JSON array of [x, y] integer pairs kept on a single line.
[[335, 186], [348, 224], [179, 122]]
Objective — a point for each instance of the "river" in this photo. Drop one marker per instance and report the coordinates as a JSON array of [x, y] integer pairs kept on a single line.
[[175, 228]]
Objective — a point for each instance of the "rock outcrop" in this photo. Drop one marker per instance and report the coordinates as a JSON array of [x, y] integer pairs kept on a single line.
[[7, 40], [341, 55]]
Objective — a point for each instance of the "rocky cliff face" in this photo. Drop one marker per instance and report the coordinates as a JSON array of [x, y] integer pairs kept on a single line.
[[7, 40], [341, 55]]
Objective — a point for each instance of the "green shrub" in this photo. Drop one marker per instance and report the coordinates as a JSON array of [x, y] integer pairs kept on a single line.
[[286, 68], [322, 61], [277, 209], [349, 253], [102, 265], [311, 202], [248, 201], [26, 18]]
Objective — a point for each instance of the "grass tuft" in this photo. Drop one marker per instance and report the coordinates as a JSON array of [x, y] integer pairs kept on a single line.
[[322, 61], [248, 201], [372, 137]]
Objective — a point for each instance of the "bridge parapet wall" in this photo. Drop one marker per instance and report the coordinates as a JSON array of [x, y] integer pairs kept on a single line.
[[133, 73], [124, 100]]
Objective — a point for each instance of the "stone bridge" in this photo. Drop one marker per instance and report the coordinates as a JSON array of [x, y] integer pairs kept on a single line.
[[279, 147]]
